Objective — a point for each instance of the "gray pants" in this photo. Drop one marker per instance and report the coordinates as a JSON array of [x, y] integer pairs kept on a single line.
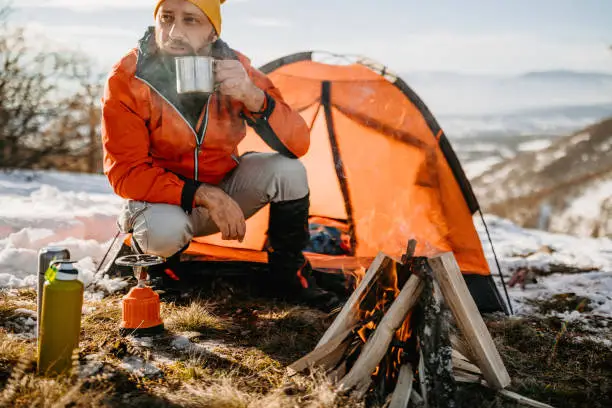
[[259, 179]]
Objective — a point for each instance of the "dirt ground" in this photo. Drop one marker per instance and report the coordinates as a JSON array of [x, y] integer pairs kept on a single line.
[[225, 348]]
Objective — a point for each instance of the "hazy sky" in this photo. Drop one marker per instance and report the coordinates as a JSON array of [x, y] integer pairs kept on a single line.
[[468, 36]]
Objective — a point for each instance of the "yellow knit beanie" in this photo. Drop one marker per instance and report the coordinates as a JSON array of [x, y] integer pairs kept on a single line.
[[212, 9]]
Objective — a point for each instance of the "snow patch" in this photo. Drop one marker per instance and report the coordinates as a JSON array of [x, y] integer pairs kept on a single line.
[[534, 145], [139, 367], [92, 366], [181, 342], [145, 342], [43, 208], [599, 340], [26, 312], [475, 168], [588, 212], [544, 252]]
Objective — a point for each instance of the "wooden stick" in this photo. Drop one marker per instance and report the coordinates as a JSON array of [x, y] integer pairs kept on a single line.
[[337, 374], [333, 358], [518, 398], [524, 400], [434, 343], [461, 363], [458, 297], [409, 250], [378, 344], [460, 356], [362, 388], [463, 367], [422, 379], [465, 377], [403, 388], [348, 316], [319, 354], [459, 344], [416, 399]]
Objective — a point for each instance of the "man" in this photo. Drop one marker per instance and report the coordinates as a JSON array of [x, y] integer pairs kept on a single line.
[[174, 157]]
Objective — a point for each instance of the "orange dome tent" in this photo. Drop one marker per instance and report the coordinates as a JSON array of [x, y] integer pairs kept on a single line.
[[379, 166]]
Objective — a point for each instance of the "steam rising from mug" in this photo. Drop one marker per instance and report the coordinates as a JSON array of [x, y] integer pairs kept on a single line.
[[195, 74]]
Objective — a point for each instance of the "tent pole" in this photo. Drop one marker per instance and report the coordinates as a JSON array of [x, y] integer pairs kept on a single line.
[[339, 166], [108, 251], [496, 261]]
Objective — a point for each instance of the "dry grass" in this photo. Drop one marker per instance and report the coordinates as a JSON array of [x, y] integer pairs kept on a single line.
[[222, 394], [311, 392], [29, 390], [549, 362], [287, 333], [197, 317], [12, 349], [25, 388], [238, 352]]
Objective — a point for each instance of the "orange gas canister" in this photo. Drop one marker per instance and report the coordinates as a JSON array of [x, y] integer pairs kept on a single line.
[[141, 306]]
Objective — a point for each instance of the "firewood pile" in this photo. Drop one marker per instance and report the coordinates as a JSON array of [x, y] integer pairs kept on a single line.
[[409, 332]]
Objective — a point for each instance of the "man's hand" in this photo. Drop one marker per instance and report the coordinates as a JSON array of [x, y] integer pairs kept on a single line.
[[223, 210], [234, 82]]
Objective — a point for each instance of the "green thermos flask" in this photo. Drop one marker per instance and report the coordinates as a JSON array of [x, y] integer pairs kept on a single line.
[[60, 324]]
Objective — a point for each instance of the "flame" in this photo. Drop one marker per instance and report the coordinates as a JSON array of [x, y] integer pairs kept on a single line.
[[372, 309], [378, 301], [357, 274]]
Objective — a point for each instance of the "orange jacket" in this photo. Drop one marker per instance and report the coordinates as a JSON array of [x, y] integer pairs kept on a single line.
[[150, 148]]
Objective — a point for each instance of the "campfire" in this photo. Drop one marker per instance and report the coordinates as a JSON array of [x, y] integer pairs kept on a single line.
[[409, 332]]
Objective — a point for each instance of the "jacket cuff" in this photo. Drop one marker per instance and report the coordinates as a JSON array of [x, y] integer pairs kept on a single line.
[[188, 195], [265, 112], [264, 107]]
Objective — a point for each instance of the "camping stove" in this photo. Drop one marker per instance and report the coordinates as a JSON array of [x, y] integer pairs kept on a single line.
[[140, 307]]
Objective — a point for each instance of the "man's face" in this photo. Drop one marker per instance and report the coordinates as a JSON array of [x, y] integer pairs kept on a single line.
[[181, 28]]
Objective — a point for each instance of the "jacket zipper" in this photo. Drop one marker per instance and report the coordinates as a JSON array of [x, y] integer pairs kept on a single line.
[[199, 140], [205, 124]]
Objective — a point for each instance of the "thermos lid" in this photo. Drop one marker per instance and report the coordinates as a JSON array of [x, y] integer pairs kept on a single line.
[[67, 267], [66, 270], [55, 249]]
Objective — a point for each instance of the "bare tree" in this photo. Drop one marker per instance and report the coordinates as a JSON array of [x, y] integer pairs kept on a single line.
[[49, 111], [84, 106]]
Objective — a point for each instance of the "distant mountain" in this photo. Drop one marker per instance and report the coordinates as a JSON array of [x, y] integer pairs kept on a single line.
[[575, 111], [565, 187], [536, 121], [534, 103], [566, 75]]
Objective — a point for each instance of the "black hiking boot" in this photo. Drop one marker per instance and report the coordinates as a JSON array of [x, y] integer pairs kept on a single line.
[[290, 271]]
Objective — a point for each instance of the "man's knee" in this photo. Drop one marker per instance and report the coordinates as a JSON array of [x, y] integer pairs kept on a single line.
[[287, 177], [162, 229]]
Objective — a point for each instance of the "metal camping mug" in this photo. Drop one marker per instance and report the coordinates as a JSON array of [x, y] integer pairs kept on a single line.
[[195, 74]]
